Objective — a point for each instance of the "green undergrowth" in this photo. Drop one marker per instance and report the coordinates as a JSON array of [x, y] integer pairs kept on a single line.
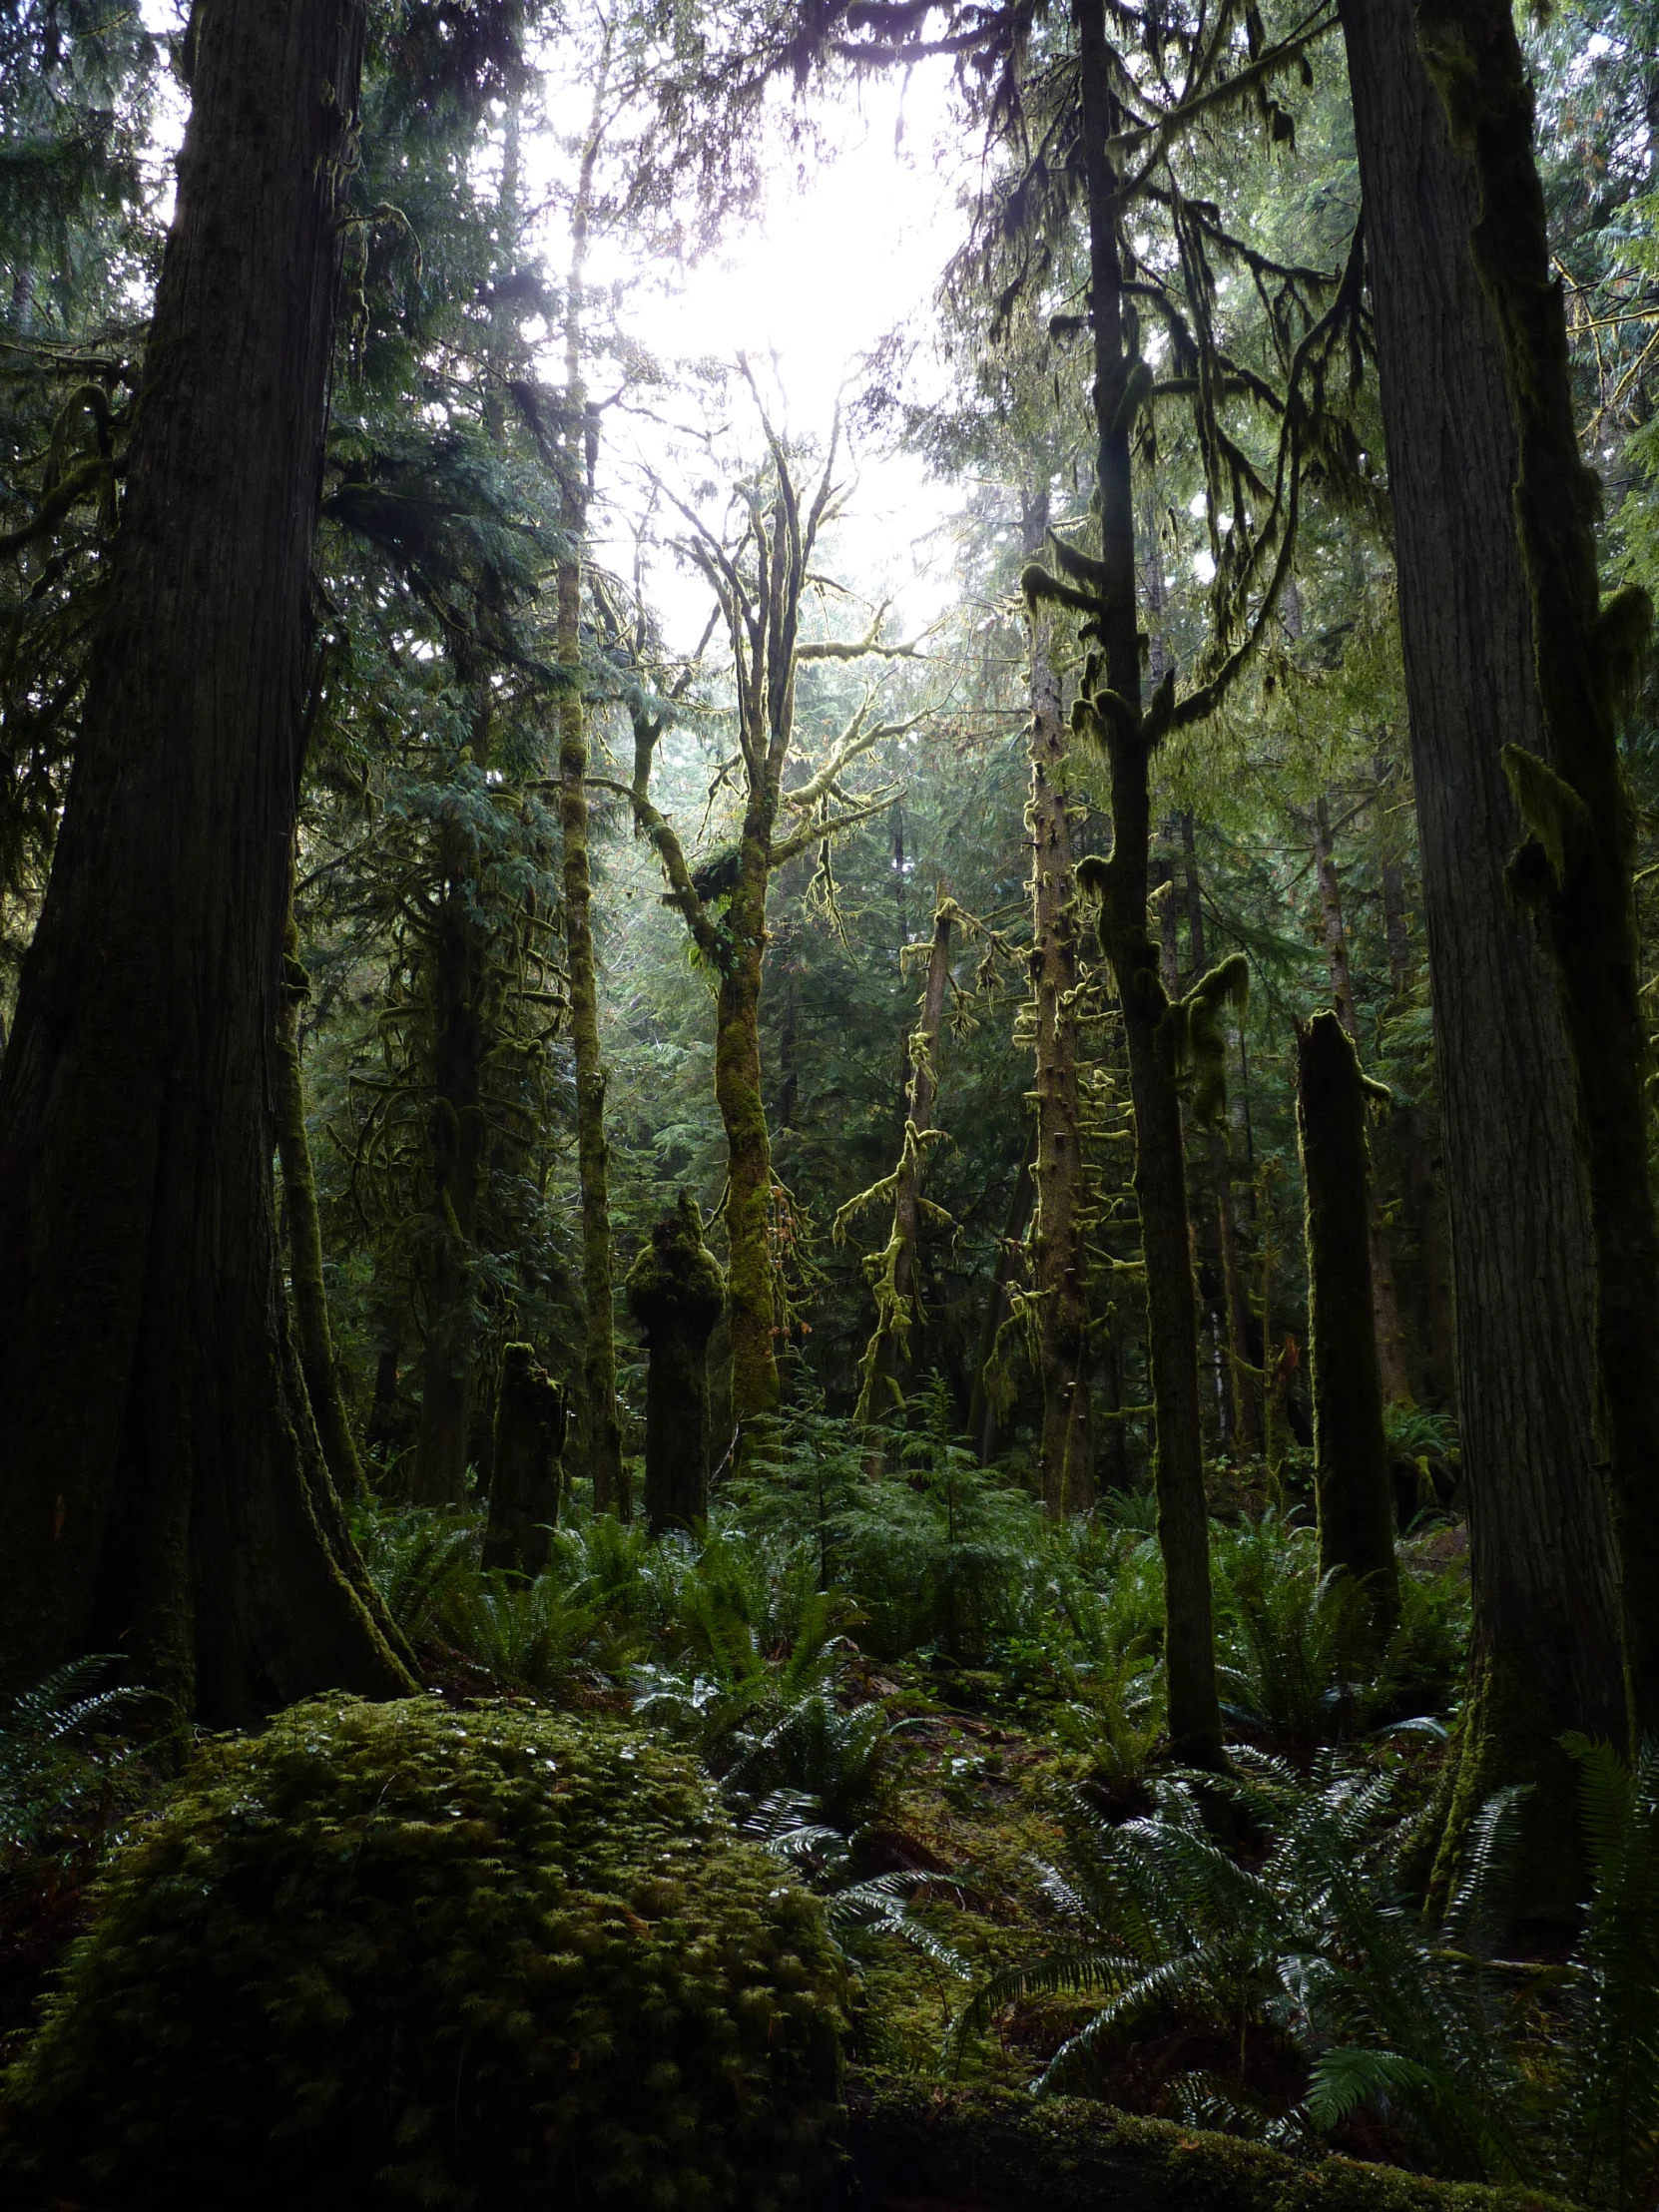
[[409, 1954]]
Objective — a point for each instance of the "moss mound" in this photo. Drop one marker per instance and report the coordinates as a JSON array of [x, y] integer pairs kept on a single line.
[[398, 1954]]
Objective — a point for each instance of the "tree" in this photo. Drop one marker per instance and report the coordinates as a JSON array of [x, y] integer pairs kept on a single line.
[[161, 1489], [1545, 1652]]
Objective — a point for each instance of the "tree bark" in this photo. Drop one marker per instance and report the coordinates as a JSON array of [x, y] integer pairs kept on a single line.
[[602, 1426], [526, 1467], [1545, 1652], [307, 1283], [456, 1154], [890, 1359], [755, 1391], [676, 1293], [1390, 1355], [1160, 1160], [1244, 1380], [1576, 870], [1350, 1450], [983, 1411], [1057, 1256], [161, 1493]]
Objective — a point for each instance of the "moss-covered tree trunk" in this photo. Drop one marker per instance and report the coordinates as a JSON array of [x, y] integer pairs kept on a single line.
[[526, 1463], [1351, 1451], [1160, 1158], [307, 1283], [890, 1355], [1544, 1654], [676, 1293], [161, 1493], [1059, 1275], [983, 1416], [1575, 868], [755, 1391], [601, 1424], [1391, 1351], [456, 1129]]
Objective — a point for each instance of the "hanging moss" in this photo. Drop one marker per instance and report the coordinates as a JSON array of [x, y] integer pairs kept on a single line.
[[407, 1955], [1351, 1452], [526, 1472], [676, 1293]]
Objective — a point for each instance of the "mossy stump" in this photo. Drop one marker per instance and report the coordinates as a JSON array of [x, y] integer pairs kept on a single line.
[[404, 1955], [1351, 1452], [530, 1419], [676, 1293]]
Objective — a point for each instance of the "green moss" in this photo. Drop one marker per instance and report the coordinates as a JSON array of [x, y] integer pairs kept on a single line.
[[400, 1954], [1068, 2154]]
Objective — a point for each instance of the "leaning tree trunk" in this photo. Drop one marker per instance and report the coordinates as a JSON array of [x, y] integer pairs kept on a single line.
[[305, 1277], [161, 1493], [755, 1391], [1544, 1654], [1058, 1261], [1160, 1158], [677, 1293], [1576, 870], [1350, 1450]]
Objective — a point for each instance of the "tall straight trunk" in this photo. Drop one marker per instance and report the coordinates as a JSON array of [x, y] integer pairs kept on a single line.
[[756, 1390], [1160, 1161], [1351, 1451], [1544, 1654], [456, 1154], [1575, 870], [1244, 1384], [602, 1426], [1390, 1354], [982, 1408], [1057, 1257], [307, 1283], [890, 1362], [161, 1490]]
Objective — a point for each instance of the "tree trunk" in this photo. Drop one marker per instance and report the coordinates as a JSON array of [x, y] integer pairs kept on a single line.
[[755, 1391], [602, 1427], [1350, 1450], [983, 1411], [890, 1359], [1057, 1260], [305, 1277], [456, 1165], [1245, 1385], [676, 1293], [1159, 1162], [530, 1422], [1390, 1355], [1545, 1647], [1576, 870], [159, 1487]]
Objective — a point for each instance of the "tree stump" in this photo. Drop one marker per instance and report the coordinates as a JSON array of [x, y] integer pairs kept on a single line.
[[530, 1417], [676, 1293]]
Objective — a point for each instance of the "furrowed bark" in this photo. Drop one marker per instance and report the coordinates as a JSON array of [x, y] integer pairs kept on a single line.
[[1545, 1654], [1351, 1451], [160, 1491], [1057, 1256], [306, 1283], [1576, 870], [1160, 1161]]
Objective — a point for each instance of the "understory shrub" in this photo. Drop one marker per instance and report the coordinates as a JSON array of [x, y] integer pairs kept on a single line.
[[403, 1955]]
